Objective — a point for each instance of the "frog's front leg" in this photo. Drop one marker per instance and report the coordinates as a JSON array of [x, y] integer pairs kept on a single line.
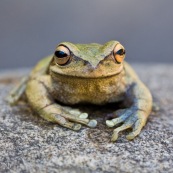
[[41, 101], [136, 116]]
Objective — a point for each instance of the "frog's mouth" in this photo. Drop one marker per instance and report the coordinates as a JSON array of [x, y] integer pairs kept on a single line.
[[95, 74]]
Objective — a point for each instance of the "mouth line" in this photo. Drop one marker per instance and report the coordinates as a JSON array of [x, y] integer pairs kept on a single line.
[[85, 77]]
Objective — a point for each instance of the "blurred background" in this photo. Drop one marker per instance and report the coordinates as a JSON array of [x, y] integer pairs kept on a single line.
[[30, 30]]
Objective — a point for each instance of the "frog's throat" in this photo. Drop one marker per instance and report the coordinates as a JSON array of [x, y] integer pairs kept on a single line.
[[54, 73]]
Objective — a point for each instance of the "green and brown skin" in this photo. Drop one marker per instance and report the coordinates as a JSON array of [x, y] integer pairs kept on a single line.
[[86, 73]]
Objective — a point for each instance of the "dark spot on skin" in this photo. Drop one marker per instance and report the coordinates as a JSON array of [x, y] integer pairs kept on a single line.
[[85, 63]]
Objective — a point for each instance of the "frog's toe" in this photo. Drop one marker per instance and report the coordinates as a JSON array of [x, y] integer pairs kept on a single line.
[[83, 115], [87, 122], [109, 123], [115, 121], [139, 124], [119, 129], [65, 123], [122, 117], [76, 126], [76, 112], [92, 123], [72, 126]]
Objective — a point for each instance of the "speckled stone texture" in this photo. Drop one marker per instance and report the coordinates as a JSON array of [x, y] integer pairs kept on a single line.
[[29, 144]]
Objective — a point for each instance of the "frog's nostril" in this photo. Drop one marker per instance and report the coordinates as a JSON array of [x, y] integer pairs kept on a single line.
[[85, 63]]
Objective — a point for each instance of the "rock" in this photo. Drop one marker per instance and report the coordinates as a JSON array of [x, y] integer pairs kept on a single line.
[[30, 144]]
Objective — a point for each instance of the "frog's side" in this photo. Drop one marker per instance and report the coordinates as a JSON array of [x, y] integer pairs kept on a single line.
[[86, 73]]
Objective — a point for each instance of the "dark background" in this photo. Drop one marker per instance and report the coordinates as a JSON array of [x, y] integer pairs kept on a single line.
[[30, 30]]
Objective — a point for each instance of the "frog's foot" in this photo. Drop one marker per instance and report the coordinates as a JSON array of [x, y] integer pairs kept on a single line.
[[74, 122], [131, 118], [12, 100], [68, 117], [15, 95]]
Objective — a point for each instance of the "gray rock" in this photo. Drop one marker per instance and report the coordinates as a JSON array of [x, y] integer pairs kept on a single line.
[[30, 144]]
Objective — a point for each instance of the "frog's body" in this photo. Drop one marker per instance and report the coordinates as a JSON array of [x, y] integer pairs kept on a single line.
[[72, 89], [90, 73]]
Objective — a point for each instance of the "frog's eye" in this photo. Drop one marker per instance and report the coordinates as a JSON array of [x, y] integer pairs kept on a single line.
[[119, 53], [62, 55]]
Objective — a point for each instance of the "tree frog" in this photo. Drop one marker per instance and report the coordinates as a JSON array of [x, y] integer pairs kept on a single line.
[[81, 74]]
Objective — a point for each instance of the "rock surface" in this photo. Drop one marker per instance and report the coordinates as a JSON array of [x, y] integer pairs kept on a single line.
[[30, 144]]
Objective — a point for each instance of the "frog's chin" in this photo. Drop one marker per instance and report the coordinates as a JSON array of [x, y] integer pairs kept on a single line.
[[86, 75]]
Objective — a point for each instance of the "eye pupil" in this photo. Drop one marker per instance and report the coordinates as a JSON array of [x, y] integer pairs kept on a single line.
[[60, 54], [121, 52]]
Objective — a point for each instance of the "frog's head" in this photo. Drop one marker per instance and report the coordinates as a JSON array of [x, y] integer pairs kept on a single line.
[[88, 60]]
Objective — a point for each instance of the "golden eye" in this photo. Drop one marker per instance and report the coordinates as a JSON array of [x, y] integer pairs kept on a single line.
[[62, 55], [119, 53]]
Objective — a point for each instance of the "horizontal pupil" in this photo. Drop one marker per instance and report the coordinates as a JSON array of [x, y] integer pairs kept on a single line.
[[120, 52], [60, 54]]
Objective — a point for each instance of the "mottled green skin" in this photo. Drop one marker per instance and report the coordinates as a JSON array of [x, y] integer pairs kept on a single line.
[[93, 77]]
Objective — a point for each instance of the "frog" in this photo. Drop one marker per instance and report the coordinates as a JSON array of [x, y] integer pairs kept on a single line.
[[95, 74]]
